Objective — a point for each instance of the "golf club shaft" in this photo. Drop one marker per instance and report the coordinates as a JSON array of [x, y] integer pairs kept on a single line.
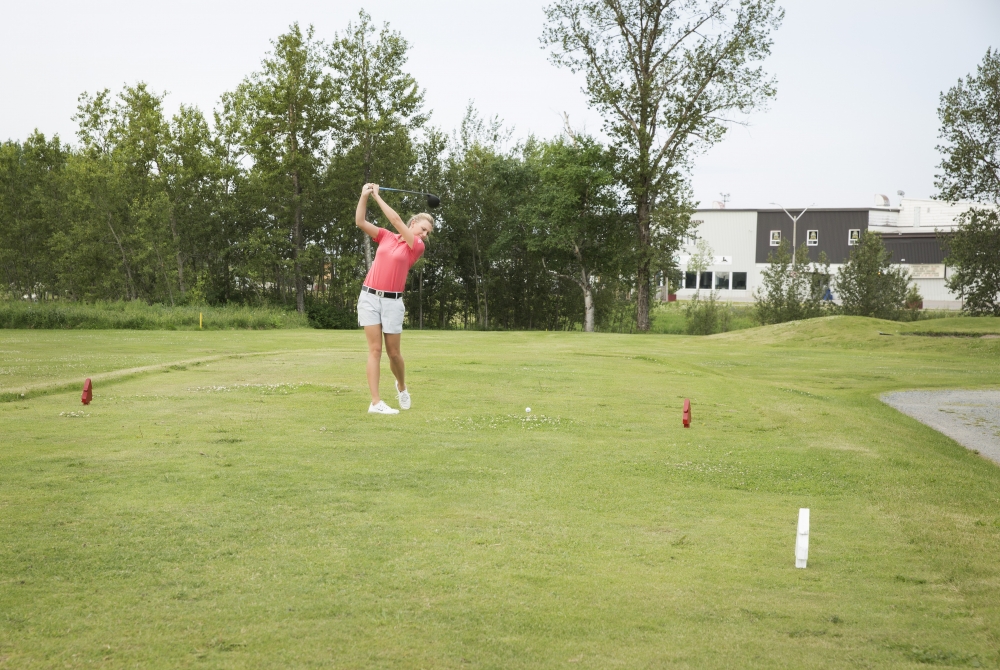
[[432, 200], [402, 190]]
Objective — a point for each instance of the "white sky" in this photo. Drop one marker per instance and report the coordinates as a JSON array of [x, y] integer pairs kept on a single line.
[[858, 80]]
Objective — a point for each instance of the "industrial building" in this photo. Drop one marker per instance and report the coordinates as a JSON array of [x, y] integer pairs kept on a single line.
[[742, 239]]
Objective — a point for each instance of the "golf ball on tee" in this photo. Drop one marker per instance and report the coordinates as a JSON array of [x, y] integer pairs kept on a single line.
[[527, 409]]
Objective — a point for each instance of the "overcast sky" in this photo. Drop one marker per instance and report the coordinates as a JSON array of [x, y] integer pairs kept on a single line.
[[858, 80]]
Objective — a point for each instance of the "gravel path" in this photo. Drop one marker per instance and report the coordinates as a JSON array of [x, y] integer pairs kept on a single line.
[[971, 418]]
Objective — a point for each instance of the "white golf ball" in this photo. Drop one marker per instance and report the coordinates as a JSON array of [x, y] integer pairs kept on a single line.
[[527, 409]]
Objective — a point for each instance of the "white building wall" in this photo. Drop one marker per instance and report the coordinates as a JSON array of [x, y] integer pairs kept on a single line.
[[732, 234], [883, 217], [927, 215], [936, 294]]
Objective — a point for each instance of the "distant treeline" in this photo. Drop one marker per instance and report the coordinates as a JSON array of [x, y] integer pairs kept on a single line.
[[255, 206]]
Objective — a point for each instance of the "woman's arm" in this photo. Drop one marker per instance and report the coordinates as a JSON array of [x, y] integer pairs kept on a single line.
[[359, 215], [394, 219]]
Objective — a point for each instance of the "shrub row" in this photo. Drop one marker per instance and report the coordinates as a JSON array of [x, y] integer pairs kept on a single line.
[[141, 316]]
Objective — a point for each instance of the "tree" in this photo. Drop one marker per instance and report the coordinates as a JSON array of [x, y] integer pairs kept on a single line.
[[701, 259], [191, 172], [868, 285], [974, 257], [379, 109], [433, 268], [480, 207], [703, 315], [32, 195], [116, 235], [664, 74], [970, 127], [791, 288], [970, 170], [283, 115], [577, 221]]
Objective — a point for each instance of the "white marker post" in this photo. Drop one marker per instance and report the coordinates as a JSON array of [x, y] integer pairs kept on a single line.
[[802, 539]]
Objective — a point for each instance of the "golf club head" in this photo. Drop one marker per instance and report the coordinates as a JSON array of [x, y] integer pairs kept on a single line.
[[433, 201]]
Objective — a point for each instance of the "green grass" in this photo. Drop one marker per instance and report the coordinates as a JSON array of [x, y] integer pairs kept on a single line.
[[960, 326], [241, 510], [140, 316]]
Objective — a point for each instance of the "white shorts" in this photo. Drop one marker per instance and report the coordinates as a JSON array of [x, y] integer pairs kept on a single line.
[[389, 312]]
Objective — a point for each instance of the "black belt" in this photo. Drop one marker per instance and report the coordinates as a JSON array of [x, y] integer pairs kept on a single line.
[[383, 294]]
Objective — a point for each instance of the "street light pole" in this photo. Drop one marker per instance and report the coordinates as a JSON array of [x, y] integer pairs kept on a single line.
[[795, 222]]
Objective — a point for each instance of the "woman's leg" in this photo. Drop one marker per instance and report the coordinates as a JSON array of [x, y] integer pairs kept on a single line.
[[396, 359], [374, 336]]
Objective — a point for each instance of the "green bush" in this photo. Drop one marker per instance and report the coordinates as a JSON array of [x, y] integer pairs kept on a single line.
[[615, 314], [699, 317], [707, 316], [868, 284], [330, 317], [792, 287], [141, 316]]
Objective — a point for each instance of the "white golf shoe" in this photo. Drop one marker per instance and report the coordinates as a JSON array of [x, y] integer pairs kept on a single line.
[[381, 408], [404, 397]]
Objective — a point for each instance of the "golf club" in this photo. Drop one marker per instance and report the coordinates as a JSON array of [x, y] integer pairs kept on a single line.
[[432, 200]]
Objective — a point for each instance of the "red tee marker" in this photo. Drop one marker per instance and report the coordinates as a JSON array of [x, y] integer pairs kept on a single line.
[[88, 392], [687, 413]]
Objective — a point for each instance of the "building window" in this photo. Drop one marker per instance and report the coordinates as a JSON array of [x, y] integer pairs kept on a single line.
[[775, 238], [690, 280], [705, 280], [853, 237], [721, 281], [739, 281], [812, 238]]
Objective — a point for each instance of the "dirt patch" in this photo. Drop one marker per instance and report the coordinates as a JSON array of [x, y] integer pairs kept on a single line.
[[971, 418]]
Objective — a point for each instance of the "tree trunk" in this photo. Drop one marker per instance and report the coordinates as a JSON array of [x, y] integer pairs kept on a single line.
[[300, 299], [482, 304], [588, 305], [130, 287], [642, 270], [588, 292], [180, 255], [163, 269]]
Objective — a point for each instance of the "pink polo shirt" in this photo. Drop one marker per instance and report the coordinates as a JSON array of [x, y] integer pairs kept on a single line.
[[393, 261]]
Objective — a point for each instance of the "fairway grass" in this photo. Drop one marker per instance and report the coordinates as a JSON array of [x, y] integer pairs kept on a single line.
[[226, 502]]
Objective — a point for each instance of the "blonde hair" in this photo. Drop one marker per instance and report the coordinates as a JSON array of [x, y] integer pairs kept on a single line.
[[422, 216]]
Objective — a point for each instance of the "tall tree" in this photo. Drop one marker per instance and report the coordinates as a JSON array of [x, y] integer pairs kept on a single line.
[[32, 194], [478, 205], [191, 172], [665, 75], [576, 214], [970, 170], [380, 106], [283, 115], [970, 127], [116, 237]]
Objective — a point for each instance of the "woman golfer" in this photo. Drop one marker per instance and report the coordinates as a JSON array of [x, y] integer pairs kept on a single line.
[[380, 306]]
